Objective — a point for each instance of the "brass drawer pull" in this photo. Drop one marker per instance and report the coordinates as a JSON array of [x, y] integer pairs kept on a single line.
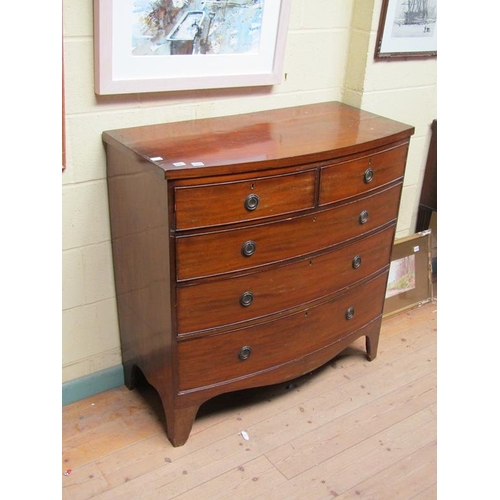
[[246, 299], [245, 352], [363, 217], [356, 262], [252, 202], [248, 248], [349, 314], [368, 176]]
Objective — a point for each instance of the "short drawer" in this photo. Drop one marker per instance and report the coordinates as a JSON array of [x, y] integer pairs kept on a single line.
[[355, 177], [221, 358], [208, 305], [219, 252], [229, 202]]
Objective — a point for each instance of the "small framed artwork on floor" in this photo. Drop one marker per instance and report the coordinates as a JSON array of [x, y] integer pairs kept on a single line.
[[410, 282]]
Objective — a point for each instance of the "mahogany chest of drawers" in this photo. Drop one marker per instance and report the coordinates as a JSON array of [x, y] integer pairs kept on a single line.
[[249, 250]]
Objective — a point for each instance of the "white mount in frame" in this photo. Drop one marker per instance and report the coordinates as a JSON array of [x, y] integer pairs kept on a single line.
[[164, 45]]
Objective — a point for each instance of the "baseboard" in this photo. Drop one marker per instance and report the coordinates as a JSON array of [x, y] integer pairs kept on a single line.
[[92, 384]]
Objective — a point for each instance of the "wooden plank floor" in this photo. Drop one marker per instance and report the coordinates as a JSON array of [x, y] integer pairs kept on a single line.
[[352, 429]]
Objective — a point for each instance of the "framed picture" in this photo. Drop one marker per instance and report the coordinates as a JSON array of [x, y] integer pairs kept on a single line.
[[409, 283], [407, 30], [162, 45]]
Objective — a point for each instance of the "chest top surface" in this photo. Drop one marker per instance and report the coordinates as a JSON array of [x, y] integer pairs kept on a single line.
[[260, 140]]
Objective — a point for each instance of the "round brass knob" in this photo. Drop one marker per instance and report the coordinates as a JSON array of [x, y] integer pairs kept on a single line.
[[246, 299], [368, 176], [356, 262], [349, 314], [252, 202], [248, 248], [363, 217], [245, 352]]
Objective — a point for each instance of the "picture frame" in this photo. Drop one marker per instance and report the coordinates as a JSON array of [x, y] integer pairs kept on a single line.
[[410, 276], [172, 45], [407, 30]]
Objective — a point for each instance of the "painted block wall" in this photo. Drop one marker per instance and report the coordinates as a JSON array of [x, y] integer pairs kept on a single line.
[[402, 90], [329, 56]]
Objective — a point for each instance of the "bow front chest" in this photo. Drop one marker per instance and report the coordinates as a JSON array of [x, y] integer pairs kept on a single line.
[[249, 250]]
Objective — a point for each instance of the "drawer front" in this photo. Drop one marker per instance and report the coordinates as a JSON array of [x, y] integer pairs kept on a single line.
[[343, 180], [224, 203], [224, 302], [233, 250], [221, 358]]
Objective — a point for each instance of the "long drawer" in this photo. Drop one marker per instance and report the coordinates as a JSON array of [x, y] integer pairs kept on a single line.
[[218, 252], [343, 180], [248, 351], [227, 202], [208, 305]]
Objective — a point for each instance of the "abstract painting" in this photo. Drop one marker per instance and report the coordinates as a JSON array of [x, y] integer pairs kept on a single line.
[[197, 27]]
